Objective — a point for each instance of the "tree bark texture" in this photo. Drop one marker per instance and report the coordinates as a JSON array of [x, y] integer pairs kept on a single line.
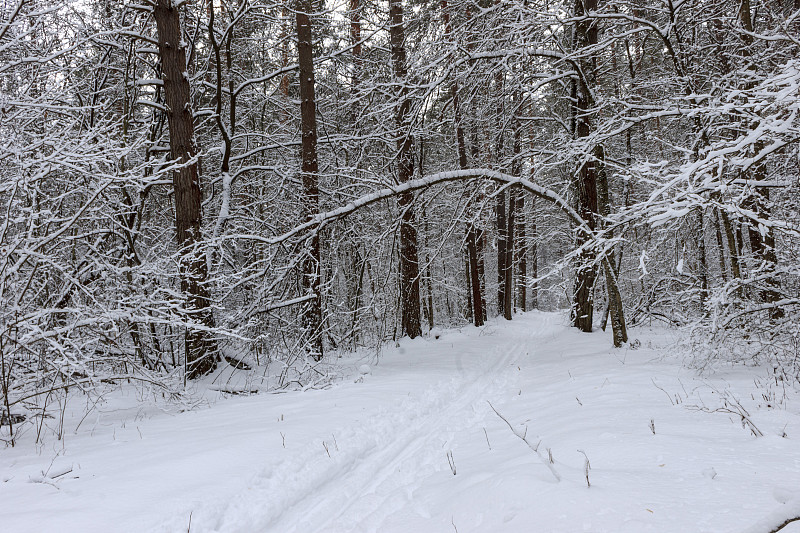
[[534, 268], [521, 252], [702, 259], [502, 242], [409, 262], [513, 193], [733, 247], [200, 346], [508, 273], [312, 309], [586, 176], [480, 233], [500, 209], [761, 246], [615, 308]]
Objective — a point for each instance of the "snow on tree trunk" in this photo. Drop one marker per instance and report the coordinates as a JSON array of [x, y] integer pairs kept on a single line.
[[200, 346], [312, 309], [409, 262], [585, 182]]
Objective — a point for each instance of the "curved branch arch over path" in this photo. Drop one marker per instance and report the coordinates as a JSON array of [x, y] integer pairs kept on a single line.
[[429, 181]]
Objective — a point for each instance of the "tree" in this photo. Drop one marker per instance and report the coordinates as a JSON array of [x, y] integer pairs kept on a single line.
[[585, 37], [200, 346], [409, 262], [312, 319]]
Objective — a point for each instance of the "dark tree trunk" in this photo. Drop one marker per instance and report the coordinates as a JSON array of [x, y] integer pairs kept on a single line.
[[355, 38], [534, 245], [475, 281], [468, 278], [358, 265], [477, 299], [427, 304], [480, 234], [502, 229], [586, 176], [475, 295], [409, 262], [508, 273], [761, 246], [702, 271], [534, 248], [733, 247], [201, 348], [312, 309], [521, 251], [723, 268], [500, 209]]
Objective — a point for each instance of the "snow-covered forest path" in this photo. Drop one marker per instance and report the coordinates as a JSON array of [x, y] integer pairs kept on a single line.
[[379, 452]]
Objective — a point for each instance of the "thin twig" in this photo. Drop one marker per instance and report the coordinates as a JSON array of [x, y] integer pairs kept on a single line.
[[524, 438]]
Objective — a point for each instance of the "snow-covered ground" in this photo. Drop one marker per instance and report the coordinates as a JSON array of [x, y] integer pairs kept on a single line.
[[415, 446]]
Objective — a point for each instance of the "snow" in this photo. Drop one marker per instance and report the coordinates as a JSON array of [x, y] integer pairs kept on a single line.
[[415, 444]]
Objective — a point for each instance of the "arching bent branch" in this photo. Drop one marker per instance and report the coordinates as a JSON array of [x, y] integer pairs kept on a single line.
[[423, 183]]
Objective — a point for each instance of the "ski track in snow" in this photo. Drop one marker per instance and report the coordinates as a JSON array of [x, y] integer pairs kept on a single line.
[[374, 467]]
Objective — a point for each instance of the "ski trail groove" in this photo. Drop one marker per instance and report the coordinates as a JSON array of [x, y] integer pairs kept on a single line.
[[369, 489], [379, 459], [420, 445]]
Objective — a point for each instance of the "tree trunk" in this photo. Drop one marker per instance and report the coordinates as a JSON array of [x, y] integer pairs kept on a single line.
[[409, 262], [475, 280], [475, 295], [427, 304], [702, 259], [615, 309], [312, 309], [513, 193], [618, 327], [480, 233], [200, 345], [733, 248], [508, 274], [534, 247], [355, 40], [761, 246], [468, 280], [481, 242], [586, 176], [500, 208], [723, 268], [502, 242], [521, 251]]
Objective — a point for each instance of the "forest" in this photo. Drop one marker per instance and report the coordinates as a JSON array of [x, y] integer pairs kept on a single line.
[[402, 265], [186, 186]]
